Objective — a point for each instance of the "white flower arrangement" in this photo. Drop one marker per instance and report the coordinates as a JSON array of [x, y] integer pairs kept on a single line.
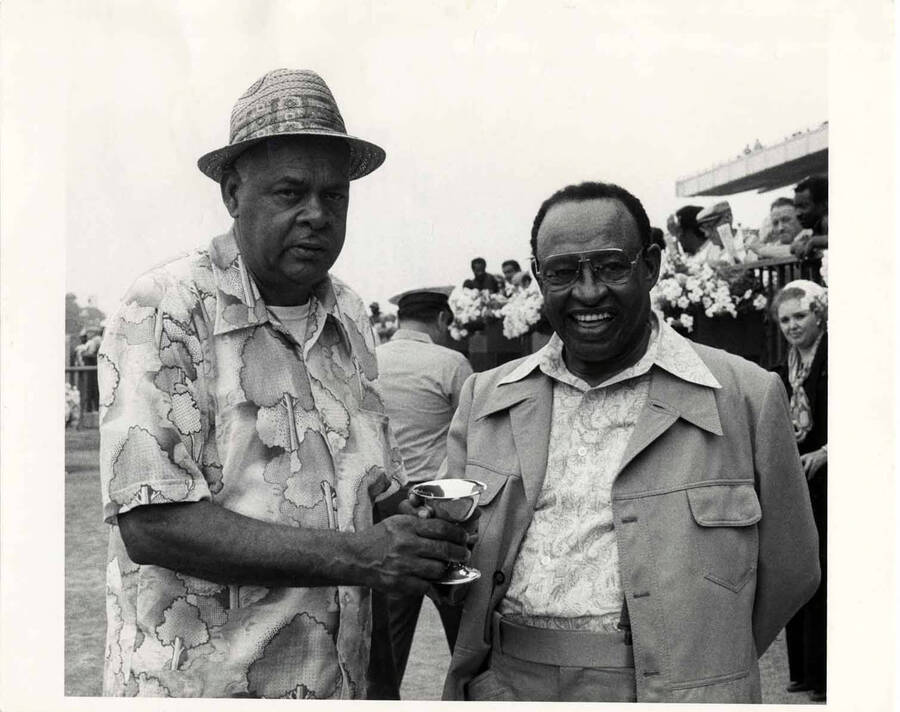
[[472, 308], [686, 286], [521, 311]]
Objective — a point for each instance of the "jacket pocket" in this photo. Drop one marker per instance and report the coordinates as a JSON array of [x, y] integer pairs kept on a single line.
[[727, 541], [486, 687], [494, 481]]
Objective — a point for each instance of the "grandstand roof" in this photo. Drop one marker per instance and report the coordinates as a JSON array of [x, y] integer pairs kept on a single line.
[[764, 169]]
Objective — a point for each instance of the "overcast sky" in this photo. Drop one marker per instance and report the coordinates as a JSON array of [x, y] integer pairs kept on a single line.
[[484, 109]]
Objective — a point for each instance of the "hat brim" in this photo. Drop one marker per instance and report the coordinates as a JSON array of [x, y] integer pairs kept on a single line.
[[365, 156], [443, 291]]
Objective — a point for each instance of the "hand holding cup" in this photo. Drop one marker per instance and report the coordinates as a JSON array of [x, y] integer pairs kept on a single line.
[[453, 500]]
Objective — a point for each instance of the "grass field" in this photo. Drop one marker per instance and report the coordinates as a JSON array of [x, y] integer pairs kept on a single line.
[[86, 537]]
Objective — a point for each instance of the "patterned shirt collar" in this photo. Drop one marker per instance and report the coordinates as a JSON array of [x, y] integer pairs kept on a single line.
[[411, 335], [240, 305], [667, 349]]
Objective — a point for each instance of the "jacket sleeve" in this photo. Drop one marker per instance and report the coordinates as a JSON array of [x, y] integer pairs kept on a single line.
[[454, 463], [788, 567], [463, 663]]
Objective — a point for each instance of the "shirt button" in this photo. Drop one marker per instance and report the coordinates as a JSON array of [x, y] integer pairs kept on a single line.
[[582, 451], [499, 577]]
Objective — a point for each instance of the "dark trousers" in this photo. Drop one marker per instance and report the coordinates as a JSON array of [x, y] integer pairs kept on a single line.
[[92, 390], [805, 633], [394, 618], [393, 627]]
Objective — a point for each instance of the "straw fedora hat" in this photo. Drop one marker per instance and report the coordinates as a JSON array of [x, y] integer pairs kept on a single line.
[[285, 102]]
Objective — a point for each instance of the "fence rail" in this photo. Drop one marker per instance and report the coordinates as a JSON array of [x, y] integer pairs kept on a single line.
[[774, 274]]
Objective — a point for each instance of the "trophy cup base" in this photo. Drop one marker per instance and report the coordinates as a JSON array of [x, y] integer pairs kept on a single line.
[[460, 574]]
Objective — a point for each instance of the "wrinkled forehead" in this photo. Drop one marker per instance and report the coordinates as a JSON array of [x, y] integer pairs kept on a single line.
[[587, 225]]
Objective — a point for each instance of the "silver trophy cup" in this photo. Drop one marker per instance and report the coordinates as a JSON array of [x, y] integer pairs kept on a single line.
[[453, 500]]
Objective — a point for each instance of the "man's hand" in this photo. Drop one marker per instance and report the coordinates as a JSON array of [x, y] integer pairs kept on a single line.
[[802, 244], [813, 461], [407, 552], [443, 594], [418, 507]]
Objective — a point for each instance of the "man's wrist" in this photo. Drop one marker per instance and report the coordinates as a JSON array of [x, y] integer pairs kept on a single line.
[[351, 557]]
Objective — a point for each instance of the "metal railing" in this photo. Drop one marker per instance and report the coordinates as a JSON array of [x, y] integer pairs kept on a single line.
[[774, 274]]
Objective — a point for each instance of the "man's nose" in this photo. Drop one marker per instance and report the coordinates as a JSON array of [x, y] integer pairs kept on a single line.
[[312, 211], [588, 288]]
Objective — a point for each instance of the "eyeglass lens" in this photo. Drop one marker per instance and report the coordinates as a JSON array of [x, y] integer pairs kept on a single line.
[[609, 266]]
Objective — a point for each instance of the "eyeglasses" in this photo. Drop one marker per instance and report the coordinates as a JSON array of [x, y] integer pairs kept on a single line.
[[610, 266]]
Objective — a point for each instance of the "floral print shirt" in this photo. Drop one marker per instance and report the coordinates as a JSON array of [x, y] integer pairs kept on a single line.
[[566, 574], [206, 396]]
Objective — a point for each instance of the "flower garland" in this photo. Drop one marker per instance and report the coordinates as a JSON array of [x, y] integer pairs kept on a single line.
[[687, 288]]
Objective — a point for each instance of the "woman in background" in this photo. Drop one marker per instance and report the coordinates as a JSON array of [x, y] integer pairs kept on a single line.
[[800, 311]]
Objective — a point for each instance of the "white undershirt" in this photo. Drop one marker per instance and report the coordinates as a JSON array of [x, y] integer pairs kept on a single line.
[[293, 319]]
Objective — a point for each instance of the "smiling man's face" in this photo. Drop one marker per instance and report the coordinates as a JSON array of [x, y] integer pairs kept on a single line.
[[605, 328], [289, 199]]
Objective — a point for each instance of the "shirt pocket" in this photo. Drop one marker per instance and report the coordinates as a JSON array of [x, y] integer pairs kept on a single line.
[[727, 538]]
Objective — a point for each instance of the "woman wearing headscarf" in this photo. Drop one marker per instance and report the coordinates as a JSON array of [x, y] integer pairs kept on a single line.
[[799, 309]]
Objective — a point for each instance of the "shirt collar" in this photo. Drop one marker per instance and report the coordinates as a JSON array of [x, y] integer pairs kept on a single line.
[[667, 349], [240, 305], [411, 335]]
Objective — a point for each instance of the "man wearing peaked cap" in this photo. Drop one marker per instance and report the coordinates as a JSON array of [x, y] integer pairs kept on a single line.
[[421, 381], [243, 440]]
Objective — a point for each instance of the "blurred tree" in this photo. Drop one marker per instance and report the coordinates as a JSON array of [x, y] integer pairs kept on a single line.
[[73, 314], [79, 317]]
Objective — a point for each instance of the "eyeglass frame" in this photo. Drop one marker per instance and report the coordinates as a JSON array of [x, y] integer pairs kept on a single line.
[[584, 257]]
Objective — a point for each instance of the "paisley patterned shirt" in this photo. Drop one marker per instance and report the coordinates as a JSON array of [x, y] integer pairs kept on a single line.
[[566, 574], [206, 396]]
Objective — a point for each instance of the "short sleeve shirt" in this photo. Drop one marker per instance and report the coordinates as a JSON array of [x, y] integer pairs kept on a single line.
[[420, 383], [206, 396]]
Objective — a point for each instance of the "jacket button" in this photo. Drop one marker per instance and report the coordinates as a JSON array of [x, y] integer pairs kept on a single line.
[[499, 577]]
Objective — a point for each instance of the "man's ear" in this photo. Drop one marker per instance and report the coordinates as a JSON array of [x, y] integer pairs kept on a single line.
[[652, 259], [534, 271], [231, 181]]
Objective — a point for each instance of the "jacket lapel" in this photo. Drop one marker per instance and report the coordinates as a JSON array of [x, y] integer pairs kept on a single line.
[[529, 402], [671, 398]]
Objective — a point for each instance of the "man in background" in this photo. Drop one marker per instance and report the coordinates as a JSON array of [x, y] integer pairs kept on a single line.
[[89, 358], [420, 381], [513, 277], [811, 202], [481, 279], [783, 227]]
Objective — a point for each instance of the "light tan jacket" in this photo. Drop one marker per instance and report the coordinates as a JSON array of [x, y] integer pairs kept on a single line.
[[717, 545]]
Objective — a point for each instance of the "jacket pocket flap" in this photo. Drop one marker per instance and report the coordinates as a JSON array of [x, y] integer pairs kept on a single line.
[[724, 505], [494, 482]]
